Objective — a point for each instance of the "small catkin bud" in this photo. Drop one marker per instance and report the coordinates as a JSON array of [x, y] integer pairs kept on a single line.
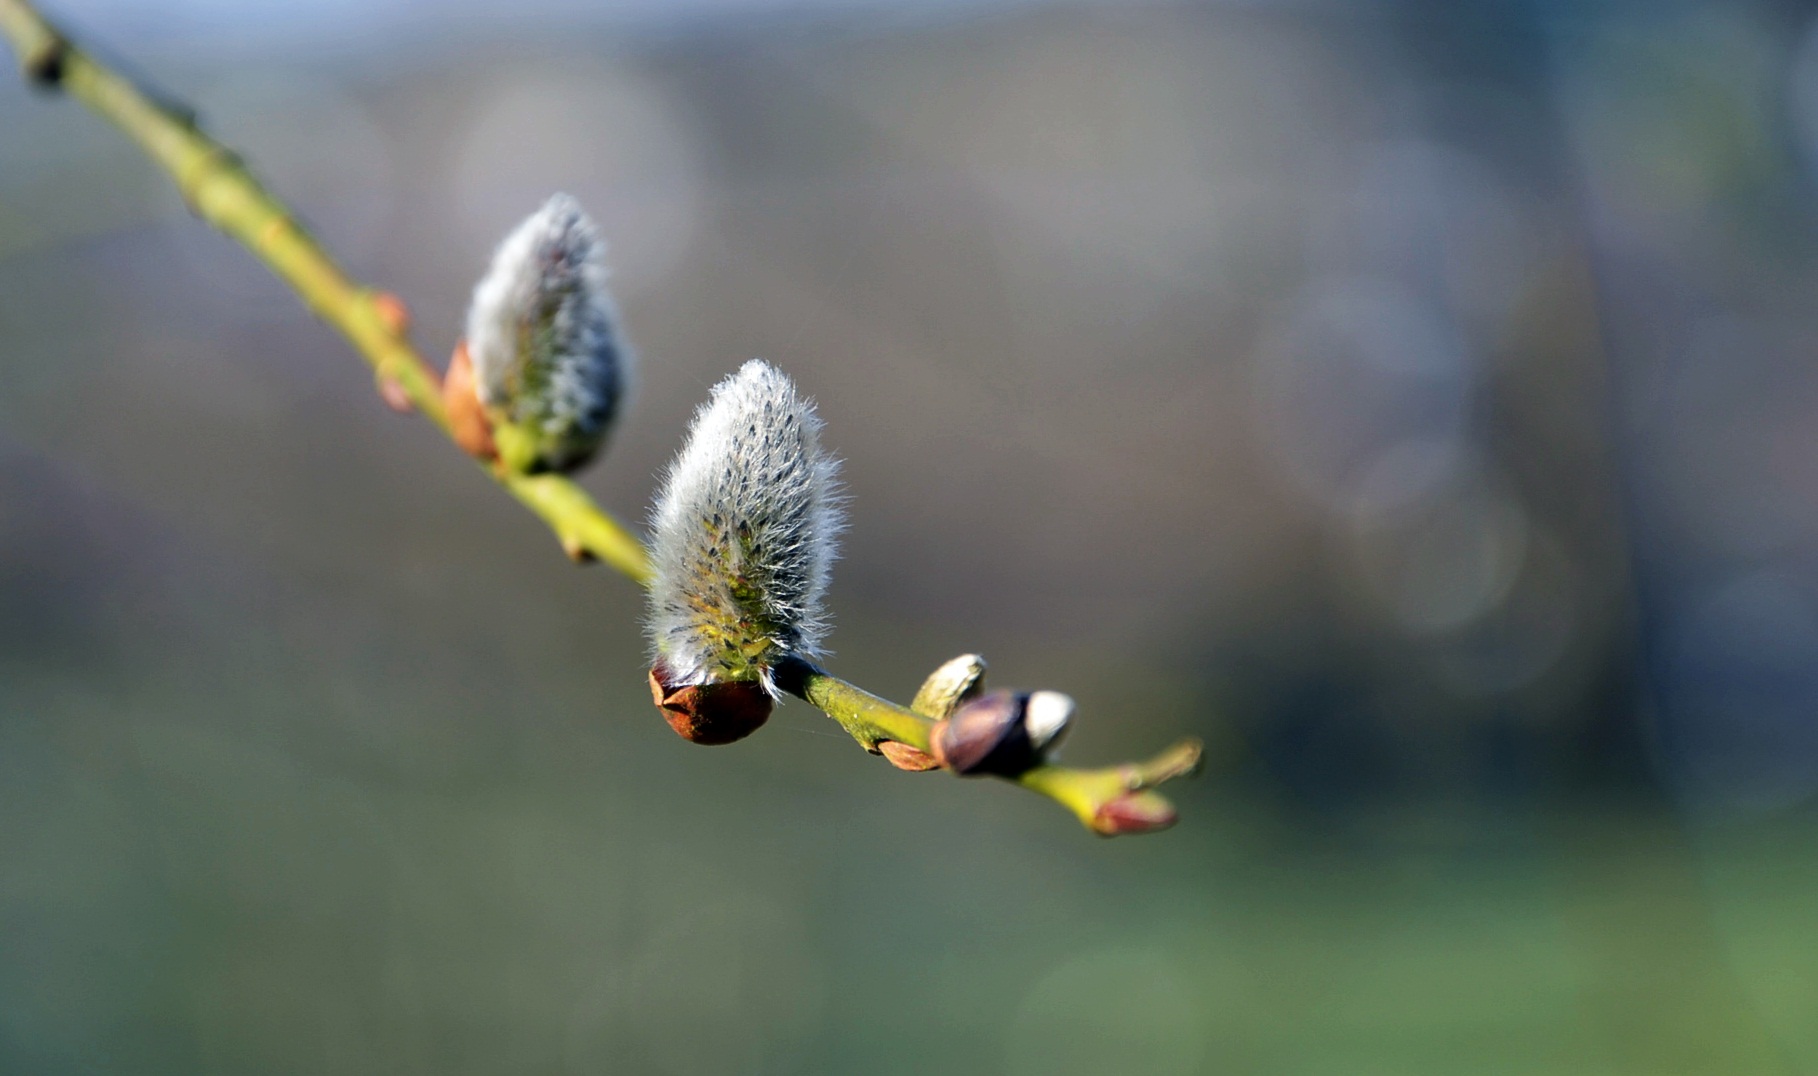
[[1003, 733], [742, 536], [955, 682], [549, 365]]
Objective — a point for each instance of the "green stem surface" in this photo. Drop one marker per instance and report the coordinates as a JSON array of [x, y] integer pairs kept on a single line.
[[867, 718]]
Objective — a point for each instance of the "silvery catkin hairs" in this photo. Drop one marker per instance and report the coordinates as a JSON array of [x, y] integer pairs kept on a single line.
[[742, 535], [549, 363]]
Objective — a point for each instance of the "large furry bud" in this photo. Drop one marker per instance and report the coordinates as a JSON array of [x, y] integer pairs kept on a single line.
[[742, 535]]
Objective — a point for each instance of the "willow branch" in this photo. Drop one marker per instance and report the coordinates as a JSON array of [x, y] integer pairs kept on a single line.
[[220, 190], [865, 717], [1110, 800]]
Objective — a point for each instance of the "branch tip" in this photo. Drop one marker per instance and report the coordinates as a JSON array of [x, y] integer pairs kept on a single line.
[[1133, 812], [1180, 759]]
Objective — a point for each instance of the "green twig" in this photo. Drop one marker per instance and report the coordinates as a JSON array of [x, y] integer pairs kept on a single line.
[[867, 718], [220, 190]]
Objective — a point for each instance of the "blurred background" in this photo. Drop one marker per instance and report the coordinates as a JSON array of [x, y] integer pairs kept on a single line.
[[1417, 400]]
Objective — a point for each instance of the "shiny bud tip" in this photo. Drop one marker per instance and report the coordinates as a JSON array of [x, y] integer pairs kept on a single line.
[[1046, 716]]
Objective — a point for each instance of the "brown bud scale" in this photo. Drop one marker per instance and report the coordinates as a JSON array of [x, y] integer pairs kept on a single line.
[[472, 430], [904, 757], [711, 714]]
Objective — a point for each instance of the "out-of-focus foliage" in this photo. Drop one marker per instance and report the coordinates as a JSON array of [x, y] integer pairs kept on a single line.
[[1418, 400]]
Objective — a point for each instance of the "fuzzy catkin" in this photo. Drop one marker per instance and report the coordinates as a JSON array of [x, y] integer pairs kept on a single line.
[[742, 534], [548, 358]]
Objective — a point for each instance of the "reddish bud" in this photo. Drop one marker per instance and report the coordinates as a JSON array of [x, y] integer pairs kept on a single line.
[[394, 396], [392, 312], [904, 757], [1134, 812], [711, 714], [472, 429], [986, 736]]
